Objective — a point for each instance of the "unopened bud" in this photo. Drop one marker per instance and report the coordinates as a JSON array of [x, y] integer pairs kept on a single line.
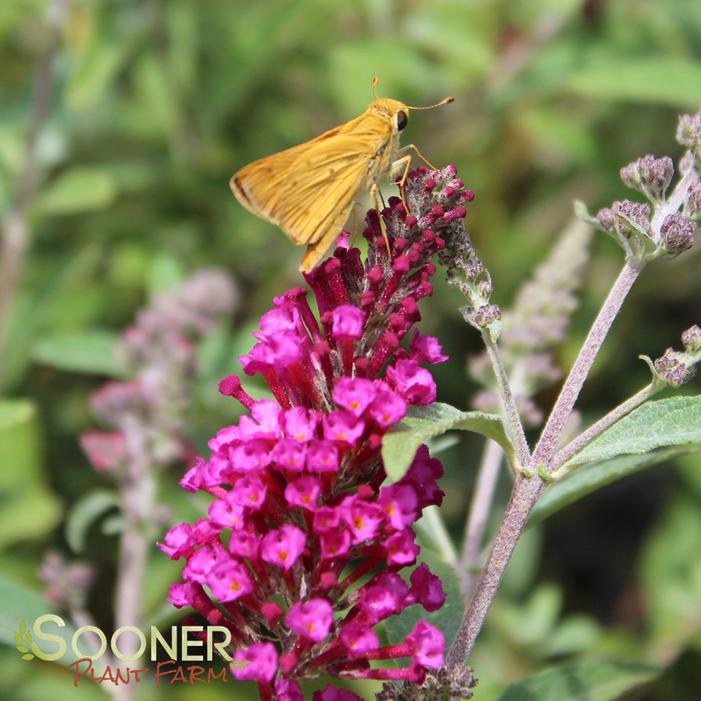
[[691, 338], [631, 218], [692, 207], [672, 368], [677, 233], [606, 219], [689, 131], [486, 315], [649, 175]]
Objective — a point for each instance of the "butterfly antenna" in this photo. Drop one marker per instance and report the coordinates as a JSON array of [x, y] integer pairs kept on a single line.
[[375, 83], [444, 101]]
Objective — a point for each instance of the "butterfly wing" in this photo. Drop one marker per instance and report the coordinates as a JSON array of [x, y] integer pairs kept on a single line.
[[309, 190], [259, 185]]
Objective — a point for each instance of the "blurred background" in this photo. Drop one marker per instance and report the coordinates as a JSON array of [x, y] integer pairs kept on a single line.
[[120, 125]]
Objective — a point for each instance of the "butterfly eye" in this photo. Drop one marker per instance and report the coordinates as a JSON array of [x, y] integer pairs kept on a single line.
[[402, 120]]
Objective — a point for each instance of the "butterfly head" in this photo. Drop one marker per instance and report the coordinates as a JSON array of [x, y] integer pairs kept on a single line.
[[395, 111]]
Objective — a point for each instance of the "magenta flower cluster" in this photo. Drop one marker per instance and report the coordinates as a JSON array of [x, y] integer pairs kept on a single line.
[[300, 553]]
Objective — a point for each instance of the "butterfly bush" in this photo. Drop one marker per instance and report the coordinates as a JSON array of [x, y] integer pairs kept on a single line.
[[302, 547]]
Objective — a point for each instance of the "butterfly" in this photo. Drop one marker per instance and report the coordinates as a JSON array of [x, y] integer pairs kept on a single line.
[[309, 190]]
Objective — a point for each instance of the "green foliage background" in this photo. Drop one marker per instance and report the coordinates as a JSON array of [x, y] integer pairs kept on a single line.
[[158, 102]]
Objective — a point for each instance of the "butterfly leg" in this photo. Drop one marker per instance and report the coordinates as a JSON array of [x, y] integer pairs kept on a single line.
[[419, 154], [402, 164], [374, 190]]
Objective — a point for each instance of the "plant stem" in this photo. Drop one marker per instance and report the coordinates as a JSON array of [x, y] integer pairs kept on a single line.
[[523, 497], [527, 490], [569, 393], [138, 503], [478, 515], [14, 228], [513, 418], [596, 429]]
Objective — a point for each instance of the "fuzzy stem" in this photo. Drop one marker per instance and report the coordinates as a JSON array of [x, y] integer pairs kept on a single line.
[[523, 498], [596, 429], [527, 490], [518, 436], [14, 228], [137, 492], [564, 405], [478, 515]]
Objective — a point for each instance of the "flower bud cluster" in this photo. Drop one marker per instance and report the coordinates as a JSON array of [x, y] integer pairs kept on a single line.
[[158, 353], [668, 228], [676, 368]]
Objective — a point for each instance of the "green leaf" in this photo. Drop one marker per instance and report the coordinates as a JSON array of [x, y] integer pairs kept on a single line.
[[30, 515], [447, 619], [18, 604], [29, 509], [667, 422], [84, 513], [670, 576], [19, 444], [80, 189], [91, 352], [655, 79], [423, 423], [592, 477], [592, 680]]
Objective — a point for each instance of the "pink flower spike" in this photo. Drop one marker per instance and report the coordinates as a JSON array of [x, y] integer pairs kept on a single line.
[[401, 549], [332, 694], [287, 690], [262, 663], [322, 456], [384, 596], [343, 427], [326, 518], [251, 456], [181, 594], [282, 547], [178, 541], [347, 322], [244, 544], [414, 383], [426, 588], [388, 408], [427, 349], [354, 394], [299, 423], [359, 639], [363, 519], [303, 492], [289, 454], [428, 645], [334, 544], [248, 491], [203, 561], [312, 619], [226, 513], [229, 581], [230, 386], [400, 504], [194, 478]]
